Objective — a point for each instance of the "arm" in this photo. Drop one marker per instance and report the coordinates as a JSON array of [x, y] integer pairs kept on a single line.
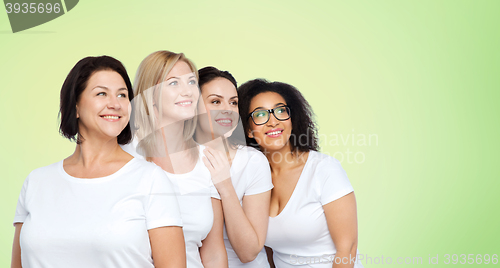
[[343, 226], [213, 251], [246, 226], [167, 246], [16, 248]]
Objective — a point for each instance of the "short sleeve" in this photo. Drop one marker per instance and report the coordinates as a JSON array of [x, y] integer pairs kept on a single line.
[[334, 182], [259, 176], [162, 208], [21, 210]]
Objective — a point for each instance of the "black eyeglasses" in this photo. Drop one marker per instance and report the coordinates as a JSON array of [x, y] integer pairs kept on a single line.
[[260, 117]]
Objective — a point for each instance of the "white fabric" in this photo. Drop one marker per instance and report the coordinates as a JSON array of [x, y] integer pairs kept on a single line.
[[250, 175], [299, 235], [194, 191], [98, 222]]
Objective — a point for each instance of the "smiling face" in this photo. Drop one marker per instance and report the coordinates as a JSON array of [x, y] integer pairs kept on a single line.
[[274, 135], [220, 105], [103, 108], [179, 95]]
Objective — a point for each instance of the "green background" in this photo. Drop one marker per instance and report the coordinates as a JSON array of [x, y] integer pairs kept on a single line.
[[423, 76]]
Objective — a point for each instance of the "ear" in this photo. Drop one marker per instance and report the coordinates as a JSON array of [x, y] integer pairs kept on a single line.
[[77, 113], [250, 134]]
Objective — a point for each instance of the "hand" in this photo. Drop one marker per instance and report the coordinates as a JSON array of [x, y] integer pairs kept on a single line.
[[218, 165]]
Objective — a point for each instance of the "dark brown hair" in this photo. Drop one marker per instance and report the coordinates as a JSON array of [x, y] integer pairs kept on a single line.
[[73, 86]]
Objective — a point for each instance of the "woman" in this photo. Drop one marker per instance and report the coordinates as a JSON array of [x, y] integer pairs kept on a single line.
[[313, 219], [100, 207], [167, 95], [245, 195]]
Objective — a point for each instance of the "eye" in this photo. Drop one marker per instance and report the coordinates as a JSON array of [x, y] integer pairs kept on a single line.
[[173, 83], [192, 82], [235, 103], [215, 101], [101, 94], [259, 114], [280, 110], [123, 95]]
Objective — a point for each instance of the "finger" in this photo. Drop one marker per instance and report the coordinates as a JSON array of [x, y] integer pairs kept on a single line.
[[208, 164], [211, 156]]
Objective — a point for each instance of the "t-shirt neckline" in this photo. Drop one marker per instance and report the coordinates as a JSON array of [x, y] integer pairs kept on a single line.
[[94, 180], [296, 185]]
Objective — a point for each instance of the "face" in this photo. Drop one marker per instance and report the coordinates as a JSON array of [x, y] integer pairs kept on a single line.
[[179, 94], [103, 109], [274, 134], [219, 109]]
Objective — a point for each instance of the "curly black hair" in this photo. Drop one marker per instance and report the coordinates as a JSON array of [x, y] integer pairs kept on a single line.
[[304, 136]]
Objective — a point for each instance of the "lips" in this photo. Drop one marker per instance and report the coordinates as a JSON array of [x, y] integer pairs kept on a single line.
[[226, 122], [184, 103], [110, 117], [274, 133]]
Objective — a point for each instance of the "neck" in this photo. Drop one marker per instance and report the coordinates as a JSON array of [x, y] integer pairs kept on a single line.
[[173, 137], [91, 152], [283, 159]]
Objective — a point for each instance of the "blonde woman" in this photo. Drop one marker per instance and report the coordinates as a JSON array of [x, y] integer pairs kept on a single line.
[[166, 96]]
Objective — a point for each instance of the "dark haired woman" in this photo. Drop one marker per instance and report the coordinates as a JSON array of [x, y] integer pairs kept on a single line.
[[245, 195], [313, 219], [100, 207]]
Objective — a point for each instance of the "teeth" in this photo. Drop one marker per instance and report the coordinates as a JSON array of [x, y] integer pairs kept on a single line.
[[224, 121], [184, 103], [110, 117], [274, 132]]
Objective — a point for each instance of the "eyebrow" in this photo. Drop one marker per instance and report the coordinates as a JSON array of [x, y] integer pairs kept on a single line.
[[176, 77], [216, 95], [262, 108], [106, 88]]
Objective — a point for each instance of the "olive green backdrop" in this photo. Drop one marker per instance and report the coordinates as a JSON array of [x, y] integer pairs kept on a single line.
[[406, 95]]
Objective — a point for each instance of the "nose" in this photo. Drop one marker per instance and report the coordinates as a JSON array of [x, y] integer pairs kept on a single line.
[[272, 122], [226, 109], [186, 90], [114, 103]]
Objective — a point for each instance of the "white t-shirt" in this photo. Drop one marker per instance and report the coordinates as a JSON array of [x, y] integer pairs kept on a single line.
[[98, 222], [250, 174], [194, 191], [299, 235]]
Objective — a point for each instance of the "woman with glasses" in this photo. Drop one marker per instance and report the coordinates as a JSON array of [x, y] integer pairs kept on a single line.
[[313, 219], [246, 191]]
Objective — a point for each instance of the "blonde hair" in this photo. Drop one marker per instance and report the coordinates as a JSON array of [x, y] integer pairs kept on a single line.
[[152, 71]]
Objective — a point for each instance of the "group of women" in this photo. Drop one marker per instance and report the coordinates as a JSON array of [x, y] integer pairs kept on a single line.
[[185, 169]]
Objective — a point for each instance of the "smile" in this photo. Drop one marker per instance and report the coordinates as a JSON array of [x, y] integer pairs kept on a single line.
[[274, 133], [184, 103], [111, 117], [224, 122]]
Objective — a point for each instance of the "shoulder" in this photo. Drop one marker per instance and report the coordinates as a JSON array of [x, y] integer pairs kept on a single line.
[[323, 162], [46, 171], [252, 154]]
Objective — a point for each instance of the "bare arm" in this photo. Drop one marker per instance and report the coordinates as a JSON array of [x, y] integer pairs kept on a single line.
[[246, 226], [167, 246], [213, 251], [16, 248], [343, 226]]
